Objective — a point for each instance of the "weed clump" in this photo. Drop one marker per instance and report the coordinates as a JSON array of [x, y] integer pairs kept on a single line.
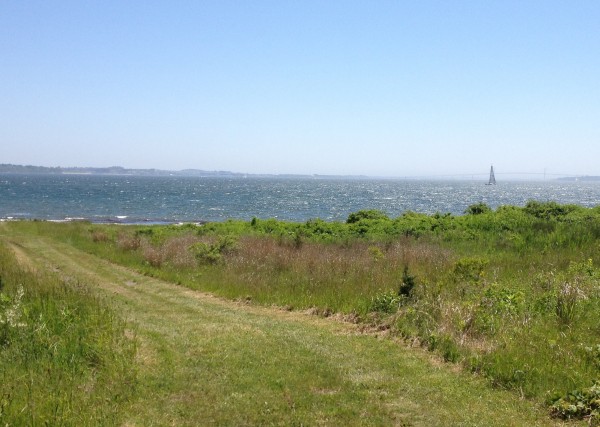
[[579, 404], [387, 302]]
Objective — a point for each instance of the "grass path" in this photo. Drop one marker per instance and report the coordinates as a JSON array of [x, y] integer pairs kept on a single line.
[[206, 361]]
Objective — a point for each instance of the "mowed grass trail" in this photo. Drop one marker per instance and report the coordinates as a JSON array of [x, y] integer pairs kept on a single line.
[[205, 361]]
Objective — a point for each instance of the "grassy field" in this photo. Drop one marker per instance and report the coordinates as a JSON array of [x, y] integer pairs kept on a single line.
[[510, 298]]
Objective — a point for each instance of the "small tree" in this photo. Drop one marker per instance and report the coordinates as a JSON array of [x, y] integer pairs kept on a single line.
[[408, 284]]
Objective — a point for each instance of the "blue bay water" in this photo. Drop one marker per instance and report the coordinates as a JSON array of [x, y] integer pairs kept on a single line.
[[181, 199]]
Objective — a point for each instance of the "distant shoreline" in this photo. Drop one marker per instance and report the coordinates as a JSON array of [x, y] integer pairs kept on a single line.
[[121, 171]]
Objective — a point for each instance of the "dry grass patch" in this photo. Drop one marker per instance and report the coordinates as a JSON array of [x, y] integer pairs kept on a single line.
[[358, 265]]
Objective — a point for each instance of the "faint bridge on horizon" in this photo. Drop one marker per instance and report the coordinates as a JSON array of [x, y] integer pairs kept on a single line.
[[515, 175]]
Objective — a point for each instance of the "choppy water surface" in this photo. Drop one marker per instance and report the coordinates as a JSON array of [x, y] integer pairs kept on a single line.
[[179, 199]]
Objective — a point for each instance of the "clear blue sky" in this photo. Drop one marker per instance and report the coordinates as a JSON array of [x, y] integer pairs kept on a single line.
[[383, 88]]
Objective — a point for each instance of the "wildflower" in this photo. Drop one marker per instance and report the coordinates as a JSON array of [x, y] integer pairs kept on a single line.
[[11, 315]]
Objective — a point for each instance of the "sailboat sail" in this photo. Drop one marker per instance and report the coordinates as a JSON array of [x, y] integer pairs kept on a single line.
[[492, 180]]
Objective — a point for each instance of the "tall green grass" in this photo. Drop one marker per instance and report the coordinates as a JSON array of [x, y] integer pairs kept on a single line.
[[64, 356]]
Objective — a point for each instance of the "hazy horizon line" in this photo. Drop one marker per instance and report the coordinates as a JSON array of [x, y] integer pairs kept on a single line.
[[529, 175]]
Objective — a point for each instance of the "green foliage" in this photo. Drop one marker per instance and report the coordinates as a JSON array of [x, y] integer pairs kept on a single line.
[[497, 307], [408, 283], [578, 404], [478, 209], [371, 214], [212, 253], [501, 300], [319, 230], [549, 210], [567, 292], [206, 253], [444, 345], [470, 269], [387, 302], [593, 354], [376, 253]]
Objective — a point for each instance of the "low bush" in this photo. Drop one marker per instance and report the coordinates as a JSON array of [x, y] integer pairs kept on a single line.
[[579, 404], [387, 302], [478, 209], [213, 252]]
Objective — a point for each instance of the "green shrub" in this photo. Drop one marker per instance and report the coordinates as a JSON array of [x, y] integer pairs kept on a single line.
[[408, 284], [593, 355], [376, 253], [548, 210], [212, 253], [477, 209], [469, 270], [372, 214], [444, 345], [496, 308], [387, 302], [579, 404], [500, 300]]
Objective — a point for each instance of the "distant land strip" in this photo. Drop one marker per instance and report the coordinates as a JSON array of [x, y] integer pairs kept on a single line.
[[119, 170]]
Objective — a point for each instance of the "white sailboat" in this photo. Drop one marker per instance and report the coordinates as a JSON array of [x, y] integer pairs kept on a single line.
[[492, 180]]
